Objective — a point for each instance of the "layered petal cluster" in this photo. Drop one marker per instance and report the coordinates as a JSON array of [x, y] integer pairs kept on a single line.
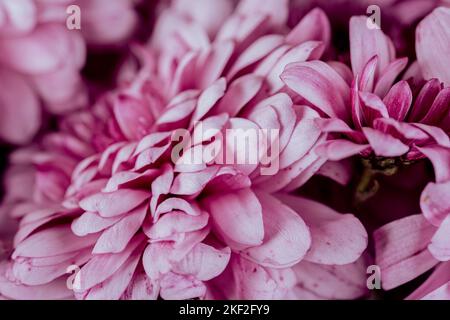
[[134, 221], [41, 58]]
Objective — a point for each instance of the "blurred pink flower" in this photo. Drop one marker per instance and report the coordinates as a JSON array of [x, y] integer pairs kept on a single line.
[[41, 59], [398, 18], [141, 226]]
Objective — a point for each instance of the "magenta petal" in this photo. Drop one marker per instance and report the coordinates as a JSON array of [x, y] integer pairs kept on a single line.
[[439, 135], [375, 107], [398, 100], [40, 271], [304, 136], [160, 186], [439, 109]]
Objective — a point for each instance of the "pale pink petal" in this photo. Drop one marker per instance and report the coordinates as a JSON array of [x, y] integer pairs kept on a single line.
[[114, 203], [90, 222], [383, 144], [432, 45], [179, 287], [286, 237], [176, 222], [435, 203], [116, 238], [440, 243], [336, 239], [191, 183], [305, 135], [259, 49], [366, 43], [101, 267], [53, 290], [211, 64], [115, 286], [133, 116], [209, 98], [318, 83], [248, 280], [52, 242], [204, 262], [336, 150], [313, 26], [240, 92], [142, 288], [325, 282], [237, 217]]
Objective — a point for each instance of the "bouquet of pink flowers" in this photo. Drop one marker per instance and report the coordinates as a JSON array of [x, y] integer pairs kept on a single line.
[[237, 149]]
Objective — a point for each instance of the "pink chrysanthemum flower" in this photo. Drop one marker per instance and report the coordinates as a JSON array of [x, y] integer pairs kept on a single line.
[[141, 225], [389, 125]]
